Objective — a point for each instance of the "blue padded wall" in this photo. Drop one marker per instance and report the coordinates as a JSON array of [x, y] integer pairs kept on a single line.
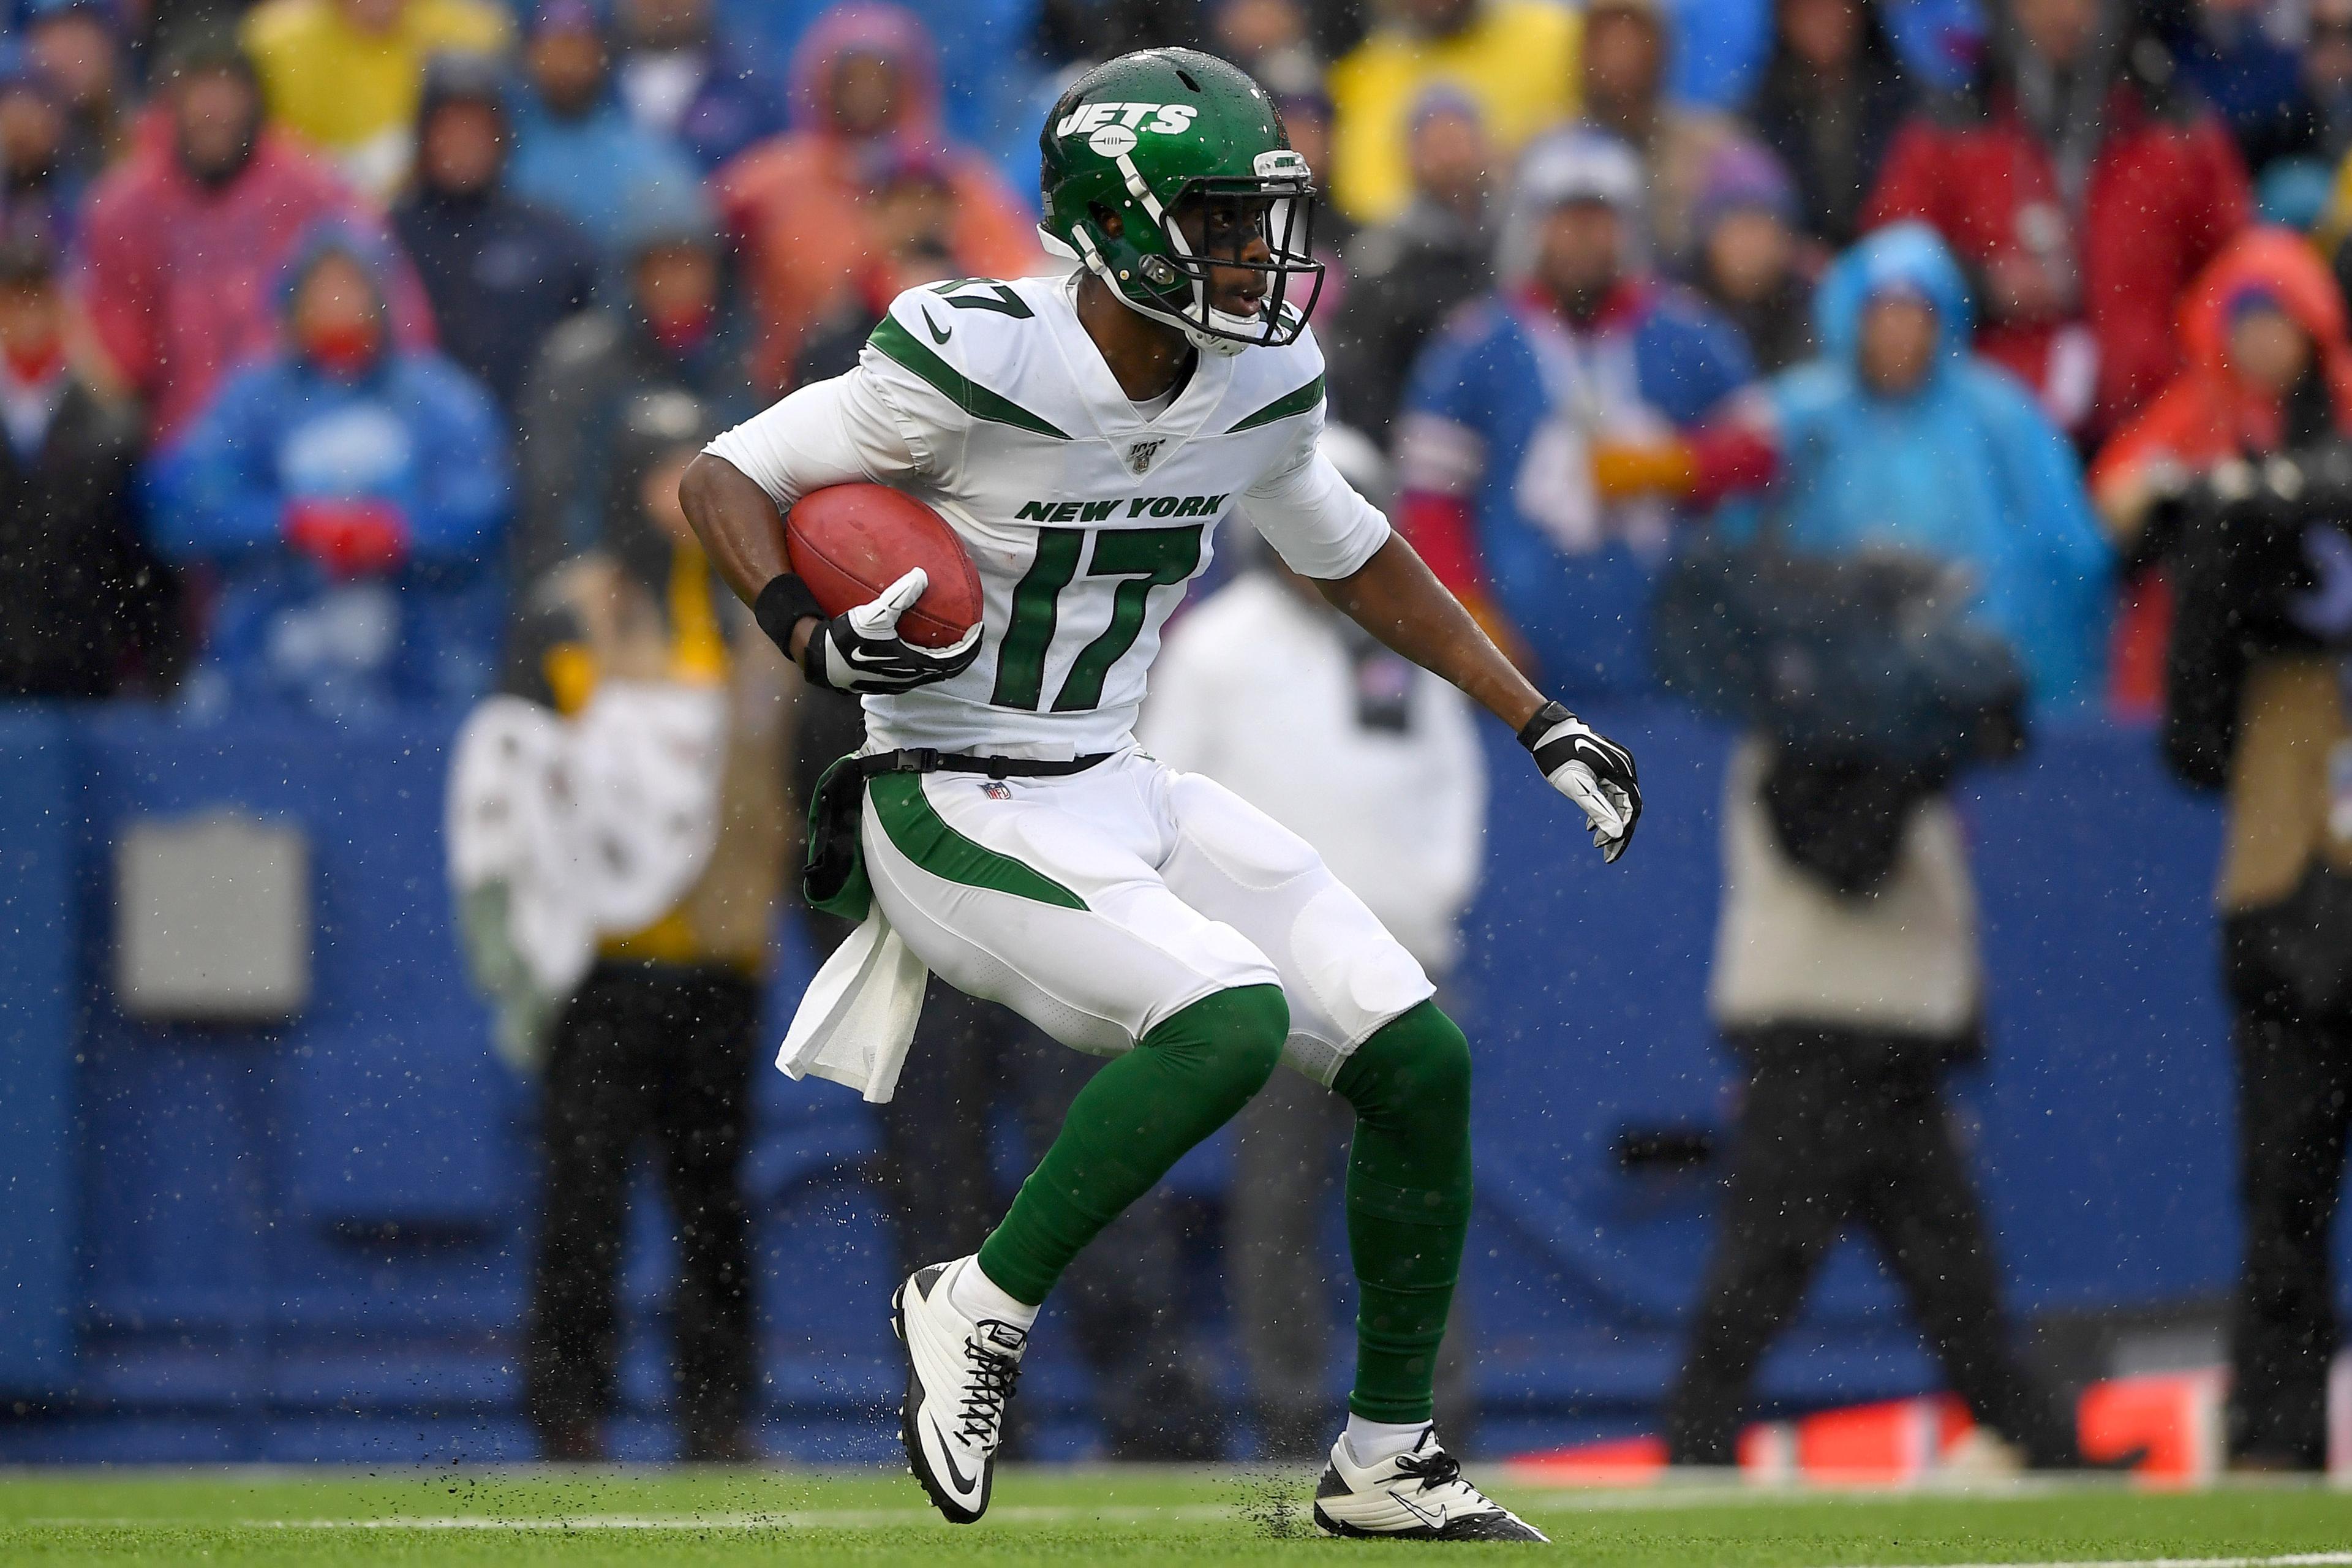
[[310, 1241], [40, 1198]]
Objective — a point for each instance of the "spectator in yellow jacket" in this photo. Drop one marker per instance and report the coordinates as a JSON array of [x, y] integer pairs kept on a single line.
[[346, 75], [1515, 60]]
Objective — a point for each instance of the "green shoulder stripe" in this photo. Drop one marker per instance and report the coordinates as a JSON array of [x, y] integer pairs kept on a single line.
[[1283, 407], [961, 390], [922, 835]]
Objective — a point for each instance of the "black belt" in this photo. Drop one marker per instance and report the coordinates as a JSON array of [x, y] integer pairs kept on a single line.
[[925, 760], [833, 880]]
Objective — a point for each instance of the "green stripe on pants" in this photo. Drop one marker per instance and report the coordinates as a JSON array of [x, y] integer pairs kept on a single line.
[[922, 835]]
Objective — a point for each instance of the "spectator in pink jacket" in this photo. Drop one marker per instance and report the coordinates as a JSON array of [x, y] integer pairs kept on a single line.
[[800, 206], [183, 237]]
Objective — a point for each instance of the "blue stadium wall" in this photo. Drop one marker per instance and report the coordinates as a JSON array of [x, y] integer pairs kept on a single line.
[[309, 1241]]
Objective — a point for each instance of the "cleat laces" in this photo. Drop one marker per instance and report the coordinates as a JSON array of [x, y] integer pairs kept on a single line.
[[1438, 1468], [987, 1393]]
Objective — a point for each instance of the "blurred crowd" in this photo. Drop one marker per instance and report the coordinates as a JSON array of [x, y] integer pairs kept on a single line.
[[261, 262], [350, 350]]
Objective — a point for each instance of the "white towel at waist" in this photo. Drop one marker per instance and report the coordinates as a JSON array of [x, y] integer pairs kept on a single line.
[[858, 1016]]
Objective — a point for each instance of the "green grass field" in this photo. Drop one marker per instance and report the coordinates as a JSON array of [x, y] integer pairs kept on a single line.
[[1074, 1516]]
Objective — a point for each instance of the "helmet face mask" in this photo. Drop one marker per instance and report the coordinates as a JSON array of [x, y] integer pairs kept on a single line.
[[1151, 144], [1260, 228]]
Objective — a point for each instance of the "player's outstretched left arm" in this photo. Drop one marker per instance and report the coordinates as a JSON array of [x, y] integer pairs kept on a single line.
[[1399, 600]]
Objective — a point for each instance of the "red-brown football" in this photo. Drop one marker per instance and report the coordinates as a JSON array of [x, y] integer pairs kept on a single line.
[[849, 542]]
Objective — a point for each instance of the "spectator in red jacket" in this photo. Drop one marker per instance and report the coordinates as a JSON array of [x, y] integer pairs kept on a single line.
[[2241, 394], [2081, 191], [183, 238]]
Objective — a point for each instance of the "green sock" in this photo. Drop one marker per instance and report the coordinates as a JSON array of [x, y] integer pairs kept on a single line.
[[1408, 1204], [1134, 1120]]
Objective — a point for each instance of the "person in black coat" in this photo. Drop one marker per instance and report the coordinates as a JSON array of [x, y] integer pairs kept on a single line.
[[1830, 100], [1750, 262], [501, 272], [666, 323], [85, 611], [1407, 274]]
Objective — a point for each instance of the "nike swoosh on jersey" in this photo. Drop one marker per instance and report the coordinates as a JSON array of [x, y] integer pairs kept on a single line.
[[947, 1457], [937, 336]]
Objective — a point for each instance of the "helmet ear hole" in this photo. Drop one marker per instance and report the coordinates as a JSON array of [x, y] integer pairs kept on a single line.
[[1112, 226]]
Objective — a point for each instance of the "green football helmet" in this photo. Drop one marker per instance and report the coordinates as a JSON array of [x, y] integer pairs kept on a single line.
[[1138, 138]]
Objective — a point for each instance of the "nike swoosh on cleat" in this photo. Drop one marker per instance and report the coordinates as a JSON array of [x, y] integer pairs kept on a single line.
[[1434, 1520], [937, 336], [947, 1457]]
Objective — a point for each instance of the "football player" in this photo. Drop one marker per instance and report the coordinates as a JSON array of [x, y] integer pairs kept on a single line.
[[1084, 435]]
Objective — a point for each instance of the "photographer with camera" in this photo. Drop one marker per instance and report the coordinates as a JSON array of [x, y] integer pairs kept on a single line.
[[1921, 570], [2239, 479]]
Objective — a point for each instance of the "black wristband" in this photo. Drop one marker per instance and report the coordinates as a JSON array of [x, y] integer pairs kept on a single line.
[[1534, 729], [781, 606]]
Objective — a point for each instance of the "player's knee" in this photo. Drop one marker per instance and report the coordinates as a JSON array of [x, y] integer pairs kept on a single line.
[[1437, 1067], [1415, 1066], [1233, 1038]]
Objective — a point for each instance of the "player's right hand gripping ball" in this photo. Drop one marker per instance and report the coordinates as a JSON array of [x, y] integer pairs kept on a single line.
[[860, 651], [1591, 769]]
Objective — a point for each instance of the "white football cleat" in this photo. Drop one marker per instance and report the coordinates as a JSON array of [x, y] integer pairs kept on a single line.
[[959, 1377], [1418, 1495]]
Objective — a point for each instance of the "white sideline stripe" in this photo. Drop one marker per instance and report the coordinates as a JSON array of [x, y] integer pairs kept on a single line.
[[1548, 1494], [782, 1518], [2291, 1559], [872, 1518], [1544, 1497]]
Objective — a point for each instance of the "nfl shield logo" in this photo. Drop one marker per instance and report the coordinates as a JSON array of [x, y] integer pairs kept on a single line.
[[1139, 455], [995, 791]]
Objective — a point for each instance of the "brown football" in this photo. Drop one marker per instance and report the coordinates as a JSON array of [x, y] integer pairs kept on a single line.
[[849, 542]]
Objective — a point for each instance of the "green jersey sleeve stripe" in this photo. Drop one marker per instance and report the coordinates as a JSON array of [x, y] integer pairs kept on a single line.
[[922, 835], [1283, 407], [966, 394]]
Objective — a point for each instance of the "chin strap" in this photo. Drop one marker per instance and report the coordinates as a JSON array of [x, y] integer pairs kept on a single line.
[[1213, 342], [1206, 342], [1090, 255]]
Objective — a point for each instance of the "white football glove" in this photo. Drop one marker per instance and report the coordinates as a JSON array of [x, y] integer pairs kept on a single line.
[[1591, 769], [861, 652]]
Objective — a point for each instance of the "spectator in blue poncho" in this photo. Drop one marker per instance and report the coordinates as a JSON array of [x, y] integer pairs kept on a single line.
[[1897, 435], [576, 148], [348, 495], [1920, 444]]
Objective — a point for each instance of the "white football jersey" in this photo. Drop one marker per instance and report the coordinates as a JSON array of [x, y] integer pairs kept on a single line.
[[988, 401]]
